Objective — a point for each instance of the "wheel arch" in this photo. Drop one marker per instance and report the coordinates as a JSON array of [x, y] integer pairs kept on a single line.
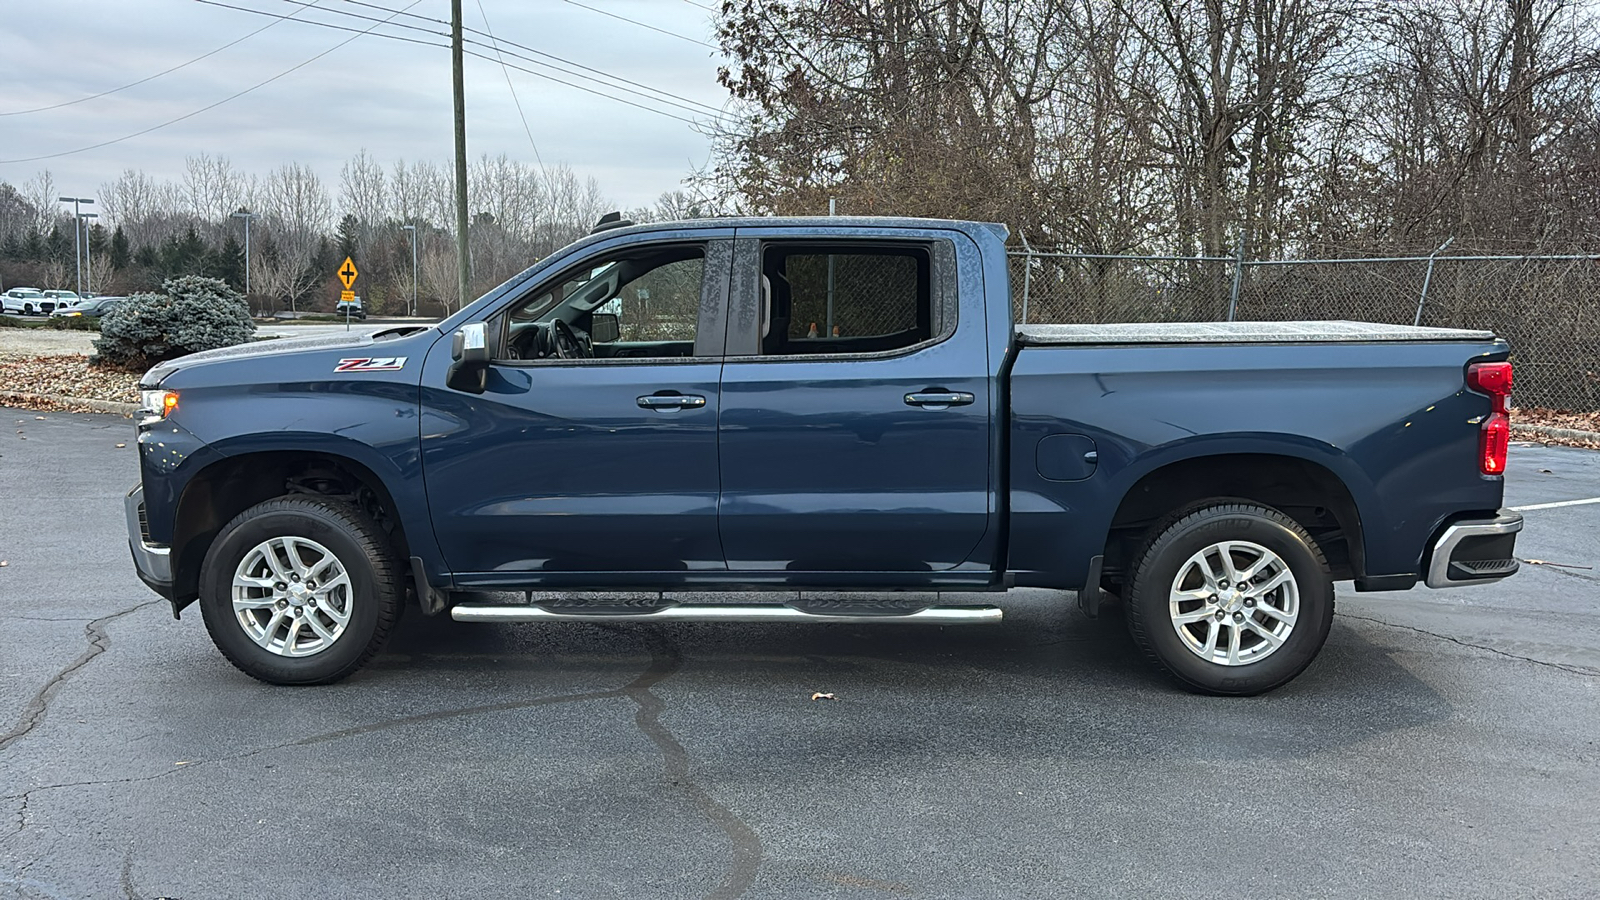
[[232, 484], [1305, 489]]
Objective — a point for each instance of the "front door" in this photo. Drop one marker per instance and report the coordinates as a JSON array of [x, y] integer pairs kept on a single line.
[[588, 461], [855, 416]]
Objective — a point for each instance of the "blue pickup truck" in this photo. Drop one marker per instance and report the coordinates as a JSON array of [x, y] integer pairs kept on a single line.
[[838, 412]]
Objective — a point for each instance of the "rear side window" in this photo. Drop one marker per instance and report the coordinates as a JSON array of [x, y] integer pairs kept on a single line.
[[844, 300]]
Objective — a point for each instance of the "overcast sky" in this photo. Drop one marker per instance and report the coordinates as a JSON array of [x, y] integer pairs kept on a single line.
[[389, 97]]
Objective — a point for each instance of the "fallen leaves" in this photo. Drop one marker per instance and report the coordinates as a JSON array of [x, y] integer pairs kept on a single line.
[[1556, 418], [67, 376]]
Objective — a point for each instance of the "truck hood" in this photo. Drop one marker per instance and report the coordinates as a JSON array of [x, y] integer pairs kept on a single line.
[[276, 347]]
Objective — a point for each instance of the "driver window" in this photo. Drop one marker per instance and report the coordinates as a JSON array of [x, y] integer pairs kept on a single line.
[[662, 304], [643, 304]]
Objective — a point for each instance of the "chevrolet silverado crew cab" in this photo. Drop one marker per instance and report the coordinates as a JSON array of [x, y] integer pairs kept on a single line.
[[838, 412]]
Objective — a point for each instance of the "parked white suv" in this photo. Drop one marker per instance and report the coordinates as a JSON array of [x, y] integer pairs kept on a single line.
[[26, 301], [54, 300]]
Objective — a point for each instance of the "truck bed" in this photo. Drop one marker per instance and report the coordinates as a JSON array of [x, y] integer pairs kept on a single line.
[[1239, 333]]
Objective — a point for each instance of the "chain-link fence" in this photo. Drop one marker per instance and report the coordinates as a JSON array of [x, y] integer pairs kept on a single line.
[[1544, 305], [851, 294]]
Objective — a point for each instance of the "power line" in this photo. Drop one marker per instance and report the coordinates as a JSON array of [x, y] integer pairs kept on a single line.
[[514, 98], [580, 87], [202, 109], [693, 107], [613, 15], [353, 30], [132, 84], [681, 100], [483, 56]]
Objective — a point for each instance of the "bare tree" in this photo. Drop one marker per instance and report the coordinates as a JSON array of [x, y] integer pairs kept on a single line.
[[211, 188], [296, 212]]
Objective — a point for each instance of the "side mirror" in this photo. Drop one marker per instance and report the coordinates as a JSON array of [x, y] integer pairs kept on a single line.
[[469, 347], [604, 328]]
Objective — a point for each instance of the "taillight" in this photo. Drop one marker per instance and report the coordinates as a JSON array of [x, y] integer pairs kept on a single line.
[[1494, 440]]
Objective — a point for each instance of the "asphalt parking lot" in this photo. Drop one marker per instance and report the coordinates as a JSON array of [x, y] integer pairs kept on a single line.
[[1444, 744]]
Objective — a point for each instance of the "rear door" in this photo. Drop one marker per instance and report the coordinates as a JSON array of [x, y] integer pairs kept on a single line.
[[593, 471], [856, 415]]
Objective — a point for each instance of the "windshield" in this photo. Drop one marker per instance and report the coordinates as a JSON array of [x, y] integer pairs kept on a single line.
[[543, 303]]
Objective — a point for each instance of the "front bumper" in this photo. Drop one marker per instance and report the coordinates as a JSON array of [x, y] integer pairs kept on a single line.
[[1475, 551], [153, 561]]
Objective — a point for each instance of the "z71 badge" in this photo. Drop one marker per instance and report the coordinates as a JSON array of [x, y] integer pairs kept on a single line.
[[373, 364]]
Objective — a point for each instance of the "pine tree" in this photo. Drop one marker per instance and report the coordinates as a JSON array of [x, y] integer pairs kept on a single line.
[[185, 255], [228, 263], [121, 255], [58, 247], [349, 235]]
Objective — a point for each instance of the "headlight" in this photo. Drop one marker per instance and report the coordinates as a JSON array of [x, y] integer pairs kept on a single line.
[[156, 405]]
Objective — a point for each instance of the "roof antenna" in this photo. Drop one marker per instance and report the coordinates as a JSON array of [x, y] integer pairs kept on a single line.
[[609, 221]]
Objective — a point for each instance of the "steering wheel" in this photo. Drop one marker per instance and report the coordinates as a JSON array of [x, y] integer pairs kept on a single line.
[[567, 344]]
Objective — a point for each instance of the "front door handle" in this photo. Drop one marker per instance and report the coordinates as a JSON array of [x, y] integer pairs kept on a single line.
[[938, 399], [671, 401]]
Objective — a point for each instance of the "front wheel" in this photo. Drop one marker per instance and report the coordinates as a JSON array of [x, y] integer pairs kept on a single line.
[[300, 590], [1231, 599]]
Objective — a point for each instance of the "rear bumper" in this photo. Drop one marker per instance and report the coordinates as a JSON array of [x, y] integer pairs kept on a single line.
[[153, 561], [1476, 551]]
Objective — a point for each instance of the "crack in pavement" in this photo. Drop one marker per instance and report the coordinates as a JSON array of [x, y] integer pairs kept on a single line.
[[127, 877], [1557, 569], [99, 642], [747, 850], [1577, 670], [27, 795], [21, 814], [665, 660]]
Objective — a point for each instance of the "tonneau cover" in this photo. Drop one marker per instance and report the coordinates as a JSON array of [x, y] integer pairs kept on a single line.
[[1239, 333]]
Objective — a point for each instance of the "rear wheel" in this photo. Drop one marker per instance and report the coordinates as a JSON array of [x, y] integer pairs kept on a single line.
[[1231, 598], [300, 590]]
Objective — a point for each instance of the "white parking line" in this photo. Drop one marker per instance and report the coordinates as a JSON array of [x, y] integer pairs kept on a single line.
[[1555, 505]]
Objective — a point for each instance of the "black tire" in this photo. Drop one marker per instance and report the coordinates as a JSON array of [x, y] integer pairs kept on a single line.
[[1167, 551], [376, 587]]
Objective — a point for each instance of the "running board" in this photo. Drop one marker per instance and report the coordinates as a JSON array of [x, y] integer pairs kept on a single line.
[[727, 612]]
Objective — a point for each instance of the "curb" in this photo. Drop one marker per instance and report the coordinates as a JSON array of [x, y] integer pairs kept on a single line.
[[1563, 433], [101, 406]]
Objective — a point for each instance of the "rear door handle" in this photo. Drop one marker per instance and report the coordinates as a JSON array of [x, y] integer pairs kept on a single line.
[[671, 401], [938, 399]]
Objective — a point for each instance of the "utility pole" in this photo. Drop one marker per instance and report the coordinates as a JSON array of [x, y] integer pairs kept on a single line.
[[463, 252], [77, 252], [413, 230], [246, 216], [88, 254]]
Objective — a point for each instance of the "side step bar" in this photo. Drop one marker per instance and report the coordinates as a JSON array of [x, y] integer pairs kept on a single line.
[[726, 612]]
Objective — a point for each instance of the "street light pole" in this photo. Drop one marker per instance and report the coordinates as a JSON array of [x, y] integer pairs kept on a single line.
[[413, 230], [77, 253], [88, 253], [246, 216]]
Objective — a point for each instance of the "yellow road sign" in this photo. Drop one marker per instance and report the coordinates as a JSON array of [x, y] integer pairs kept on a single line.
[[346, 296], [348, 273]]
